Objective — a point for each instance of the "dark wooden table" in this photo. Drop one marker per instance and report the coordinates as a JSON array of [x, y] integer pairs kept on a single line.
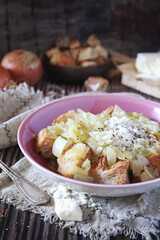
[[32, 24]]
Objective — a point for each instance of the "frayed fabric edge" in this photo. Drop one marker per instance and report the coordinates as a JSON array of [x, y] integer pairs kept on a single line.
[[126, 231], [73, 226]]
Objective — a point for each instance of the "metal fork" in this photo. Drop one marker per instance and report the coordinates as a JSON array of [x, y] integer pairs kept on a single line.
[[28, 190]]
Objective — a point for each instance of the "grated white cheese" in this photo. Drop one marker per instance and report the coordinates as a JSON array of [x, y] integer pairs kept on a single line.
[[124, 132]]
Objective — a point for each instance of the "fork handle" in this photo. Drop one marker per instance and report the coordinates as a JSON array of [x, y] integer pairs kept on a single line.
[[29, 191]]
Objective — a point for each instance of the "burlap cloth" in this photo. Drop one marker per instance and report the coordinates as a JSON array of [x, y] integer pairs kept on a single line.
[[102, 217]]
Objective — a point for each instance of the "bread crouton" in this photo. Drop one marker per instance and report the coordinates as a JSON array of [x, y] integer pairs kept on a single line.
[[67, 52], [92, 41], [43, 144], [74, 43], [64, 117], [87, 53], [74, 156], [101, 165], [67, 42], [62, 59], [116, 174], [52, 51], [101, 51], [154, 162], [74, 52], [93, 84]]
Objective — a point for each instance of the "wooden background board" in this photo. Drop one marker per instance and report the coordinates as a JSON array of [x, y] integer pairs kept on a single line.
[[129, 79], [126, 26]]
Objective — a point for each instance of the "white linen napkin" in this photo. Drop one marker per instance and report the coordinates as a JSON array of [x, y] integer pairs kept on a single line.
[[15, 105], [102, 217]]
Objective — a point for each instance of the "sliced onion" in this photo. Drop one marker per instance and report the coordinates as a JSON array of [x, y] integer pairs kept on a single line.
[[86, 165], [75, 170], [146, 175], [84, 178], [59, 145], [111, 156]]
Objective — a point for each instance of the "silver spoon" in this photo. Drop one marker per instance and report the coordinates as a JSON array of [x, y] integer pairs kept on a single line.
[[29, 191]]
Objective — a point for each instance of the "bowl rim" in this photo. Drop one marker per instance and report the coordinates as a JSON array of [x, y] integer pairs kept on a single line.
[[60, 177]]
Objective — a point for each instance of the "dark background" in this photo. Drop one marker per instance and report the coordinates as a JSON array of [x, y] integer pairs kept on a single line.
[[127, 26]]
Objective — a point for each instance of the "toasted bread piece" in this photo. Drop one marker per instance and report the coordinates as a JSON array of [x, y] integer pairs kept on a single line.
[[67, 42], [54, 60], [96, 84], [92, 41], [62, 59], [64, 117], [87, 53], [43, 144], [154, 162], [116, 174], [74, 52], [74, 43], [101, 165], [70, 158], [52, 51], [101, 51], [87, 63], [67, 52]]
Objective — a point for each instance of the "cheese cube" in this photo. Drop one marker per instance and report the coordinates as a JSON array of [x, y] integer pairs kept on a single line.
[[68, 210], [148, 64]]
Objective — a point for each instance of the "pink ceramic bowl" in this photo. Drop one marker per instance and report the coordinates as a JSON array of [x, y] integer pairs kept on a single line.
[[94, 103]]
